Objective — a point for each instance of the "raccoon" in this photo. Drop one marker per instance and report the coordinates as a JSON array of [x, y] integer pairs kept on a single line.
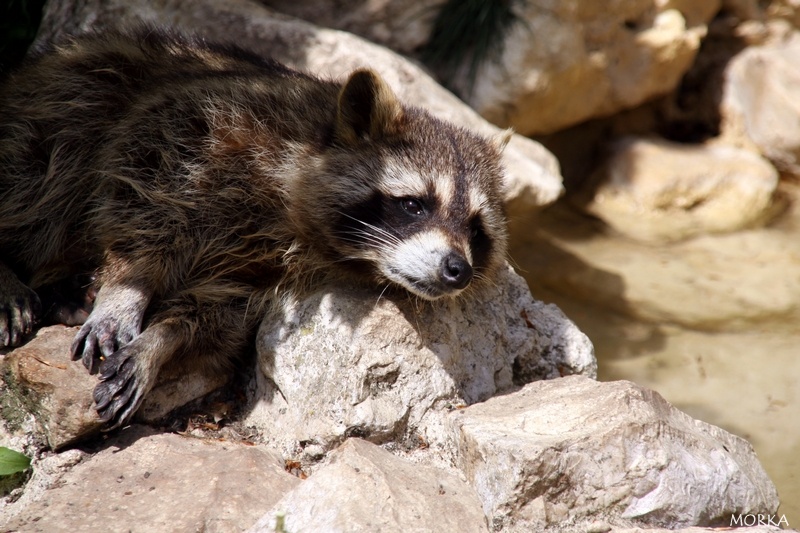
[[199, 183]]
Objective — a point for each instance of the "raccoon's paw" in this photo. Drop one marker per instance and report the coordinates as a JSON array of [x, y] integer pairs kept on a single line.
[[19, 312], [101, 336], [122, 387]]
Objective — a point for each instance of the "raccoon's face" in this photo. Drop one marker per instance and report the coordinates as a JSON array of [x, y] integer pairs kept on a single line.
[[415, 198], [428, 224]]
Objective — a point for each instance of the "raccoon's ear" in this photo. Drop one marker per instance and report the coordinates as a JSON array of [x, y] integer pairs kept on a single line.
[[501, 140], [367, 109]]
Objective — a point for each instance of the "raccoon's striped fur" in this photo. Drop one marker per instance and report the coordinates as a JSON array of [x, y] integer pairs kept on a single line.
[[200, 181]]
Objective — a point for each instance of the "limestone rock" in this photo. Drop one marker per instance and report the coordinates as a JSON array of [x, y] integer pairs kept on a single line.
[[402, 25], [655, 190], [141, 481], [562, 62], [568, 452], [346, 363], [567, 62], [760, 101], [175, 387], [764, 528], [532, 172], [45, 473], [365, 489], [759, 11], [58, 391]]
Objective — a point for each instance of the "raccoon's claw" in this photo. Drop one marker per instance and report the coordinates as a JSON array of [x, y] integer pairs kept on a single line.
[[120, 390], [18, 316], [99, 338]]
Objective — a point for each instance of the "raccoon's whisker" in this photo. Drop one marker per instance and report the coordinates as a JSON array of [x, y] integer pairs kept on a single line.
[[484, 279], [386, 288], [374, 241], [367, 237], [392, 238]]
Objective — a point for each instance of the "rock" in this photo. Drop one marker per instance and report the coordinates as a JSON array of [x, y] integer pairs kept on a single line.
[[402, 25], [759, 11], [765, 528], [760, 101], [45, 473], [655, 190], [405, 26], [390, 369], [58, 391], [562, 62], [364, 489], [532, 172], [572, 451], [175, 387], [141, 481], [567, 62]]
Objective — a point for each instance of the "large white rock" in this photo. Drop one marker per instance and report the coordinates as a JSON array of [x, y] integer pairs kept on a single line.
[[345, 362], [566, 453], [533, 175], [364, 488], [761, 101], [656, 190]]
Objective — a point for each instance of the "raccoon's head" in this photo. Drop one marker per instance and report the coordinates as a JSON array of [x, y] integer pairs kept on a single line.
[[416, 199]]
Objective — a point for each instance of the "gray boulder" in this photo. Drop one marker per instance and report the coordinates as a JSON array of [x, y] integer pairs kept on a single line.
[[364, 488], [344, 362], [570, 452]]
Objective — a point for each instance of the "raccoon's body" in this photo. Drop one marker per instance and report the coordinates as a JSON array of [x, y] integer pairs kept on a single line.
[[200, 182]]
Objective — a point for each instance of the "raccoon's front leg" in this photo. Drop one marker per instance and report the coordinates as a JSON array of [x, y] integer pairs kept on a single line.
[[19, 308], [186, 325], [115, 321], [128, 374]]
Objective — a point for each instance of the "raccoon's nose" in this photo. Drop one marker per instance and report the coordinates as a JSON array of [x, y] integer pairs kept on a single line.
[[456, 272]]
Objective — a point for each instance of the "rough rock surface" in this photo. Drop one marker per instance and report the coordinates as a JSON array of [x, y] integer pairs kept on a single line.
[[58, 391], [402, 25], [612, 56], [571, 451], [532, 172], [655, 190], [769, 11], [364, 488], [145, 481], [362, 356], [760, 105]]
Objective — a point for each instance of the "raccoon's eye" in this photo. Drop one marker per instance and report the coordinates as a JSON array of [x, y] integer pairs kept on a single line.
[[476, 229], [412, 206]]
